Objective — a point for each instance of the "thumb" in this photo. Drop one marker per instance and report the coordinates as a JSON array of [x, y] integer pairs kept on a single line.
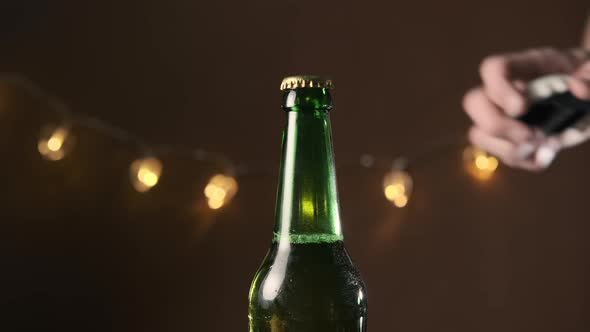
[[580, 82]]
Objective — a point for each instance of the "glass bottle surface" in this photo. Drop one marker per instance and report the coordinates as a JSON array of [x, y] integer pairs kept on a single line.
[[307, 282]]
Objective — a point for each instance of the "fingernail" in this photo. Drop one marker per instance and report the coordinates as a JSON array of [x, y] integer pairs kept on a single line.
[[525, 150], [572, 136], [545, 156]]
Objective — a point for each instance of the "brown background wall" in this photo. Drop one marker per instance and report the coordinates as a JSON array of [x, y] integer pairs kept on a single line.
[[82, 251]]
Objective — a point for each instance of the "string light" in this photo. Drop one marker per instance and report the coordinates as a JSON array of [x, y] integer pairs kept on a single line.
[[397, 187], [220, 190], [55, 142], [145, 173], [479, 163]]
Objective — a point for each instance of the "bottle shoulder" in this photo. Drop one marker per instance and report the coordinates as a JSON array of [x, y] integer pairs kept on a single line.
[[309, 279]]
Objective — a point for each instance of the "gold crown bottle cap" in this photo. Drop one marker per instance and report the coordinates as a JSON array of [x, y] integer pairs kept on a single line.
[[304, 81]]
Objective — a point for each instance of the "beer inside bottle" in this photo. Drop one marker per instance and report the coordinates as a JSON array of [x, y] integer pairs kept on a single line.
[[307, 282]]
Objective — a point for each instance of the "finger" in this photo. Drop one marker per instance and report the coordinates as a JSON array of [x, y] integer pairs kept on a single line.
[[578, 56], [547, 152], [510, 154], [489, 118], [530, 64], [495, 75], [580, 82], [572, 137], [577, 134]]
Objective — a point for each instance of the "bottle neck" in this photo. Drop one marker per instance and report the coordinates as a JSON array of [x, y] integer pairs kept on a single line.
[[307, 200]]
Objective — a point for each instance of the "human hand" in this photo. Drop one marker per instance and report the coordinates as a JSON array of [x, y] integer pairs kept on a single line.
[[494, 105]]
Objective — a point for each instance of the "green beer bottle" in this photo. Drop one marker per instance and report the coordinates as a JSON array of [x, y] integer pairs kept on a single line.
[[307, 282]]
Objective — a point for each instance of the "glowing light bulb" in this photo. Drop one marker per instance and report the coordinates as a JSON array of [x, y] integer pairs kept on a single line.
[[492, 163], [397, 187], [400, 201], [214, 204], [145, 173], [479, 163], [220, 190], [55, 142]]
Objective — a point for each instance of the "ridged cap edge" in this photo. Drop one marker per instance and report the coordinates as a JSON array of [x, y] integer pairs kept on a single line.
[[302, 81]]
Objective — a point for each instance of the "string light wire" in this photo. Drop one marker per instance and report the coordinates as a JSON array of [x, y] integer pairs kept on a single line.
[[398, 182], [56, 140]]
